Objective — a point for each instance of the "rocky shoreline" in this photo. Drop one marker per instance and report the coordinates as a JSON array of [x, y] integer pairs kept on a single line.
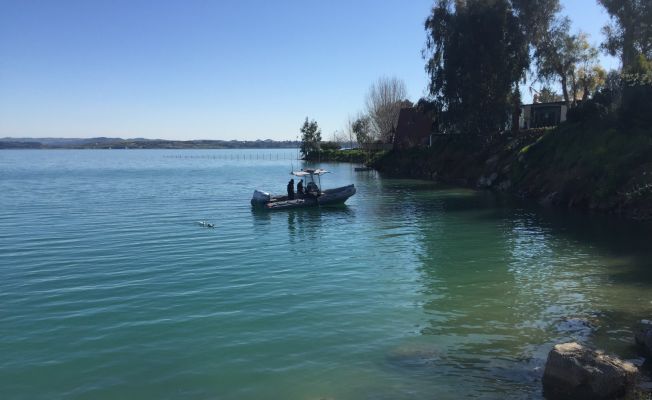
[[566, 167], [574, 371]]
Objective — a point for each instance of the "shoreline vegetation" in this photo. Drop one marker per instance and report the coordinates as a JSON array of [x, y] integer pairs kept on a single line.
[[588, 148], [585, 166]]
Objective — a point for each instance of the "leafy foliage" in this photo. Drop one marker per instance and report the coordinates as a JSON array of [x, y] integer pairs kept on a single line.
[[353, 155], [630, 32], [547, 95], [476, 53], [536, 17], [310, 138], [636, 109], [362, 129], [324, 146], [589, 80], [561, 56]]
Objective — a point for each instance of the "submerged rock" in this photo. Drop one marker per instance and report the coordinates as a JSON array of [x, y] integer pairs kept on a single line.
[[549, 199], [414, 355], [578, 327], [487, 181], [492, 160], [575, 372], [643, 337], [505, 185]]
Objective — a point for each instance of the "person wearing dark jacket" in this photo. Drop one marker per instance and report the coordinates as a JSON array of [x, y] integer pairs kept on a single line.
[[300, 188], [312, 189], [291, 189]]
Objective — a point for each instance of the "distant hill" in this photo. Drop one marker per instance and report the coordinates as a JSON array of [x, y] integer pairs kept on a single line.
[[139, 143]]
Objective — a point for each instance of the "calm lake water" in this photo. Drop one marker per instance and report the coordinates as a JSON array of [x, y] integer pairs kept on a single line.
[[111, 290]]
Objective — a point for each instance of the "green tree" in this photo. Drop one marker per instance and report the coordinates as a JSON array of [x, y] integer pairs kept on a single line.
[[559, 56], [547, 95], [476, 54], [310, 138], [361, 127], [587, 74], [630, 36], [630, 32], [589, 80], [536, 17], [636, 106], [429, 108], [516, 109]]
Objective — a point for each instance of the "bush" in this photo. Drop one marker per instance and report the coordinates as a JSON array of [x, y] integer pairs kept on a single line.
[[589, 111], [637, 105], [625, 100], [326, 146], [354, 155]]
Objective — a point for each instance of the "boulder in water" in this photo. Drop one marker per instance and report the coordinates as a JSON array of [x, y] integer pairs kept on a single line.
[[575, 372], [643, 337]]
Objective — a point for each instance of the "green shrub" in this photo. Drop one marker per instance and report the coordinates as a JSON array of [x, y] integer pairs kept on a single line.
[[354, 155]]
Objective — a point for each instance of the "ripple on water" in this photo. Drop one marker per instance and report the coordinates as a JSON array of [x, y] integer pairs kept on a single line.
[[111, 289]]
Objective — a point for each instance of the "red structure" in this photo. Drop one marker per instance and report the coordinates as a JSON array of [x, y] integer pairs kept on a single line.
[[413, 129]]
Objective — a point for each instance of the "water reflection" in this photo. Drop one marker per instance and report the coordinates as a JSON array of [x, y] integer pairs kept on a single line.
[[261, 217], [501, 282], [304, 223], [483, 285]]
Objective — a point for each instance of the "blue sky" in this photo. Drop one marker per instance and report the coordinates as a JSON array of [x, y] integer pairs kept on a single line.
[[201, 69]]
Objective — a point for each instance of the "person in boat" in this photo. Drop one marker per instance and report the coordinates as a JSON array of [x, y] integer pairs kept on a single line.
[[291, 189], [300, 188], [312, 189]]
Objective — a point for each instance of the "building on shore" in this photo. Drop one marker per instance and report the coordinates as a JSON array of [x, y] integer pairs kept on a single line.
[[539, 115], [416, 129]]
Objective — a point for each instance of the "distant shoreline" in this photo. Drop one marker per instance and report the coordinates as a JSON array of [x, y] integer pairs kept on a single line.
[[127, 144]]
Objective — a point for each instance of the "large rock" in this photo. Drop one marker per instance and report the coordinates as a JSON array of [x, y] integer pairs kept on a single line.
[[576, 372], [643, 337], [487, 181]]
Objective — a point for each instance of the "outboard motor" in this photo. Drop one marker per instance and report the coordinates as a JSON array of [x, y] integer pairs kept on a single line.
[[260, 198]]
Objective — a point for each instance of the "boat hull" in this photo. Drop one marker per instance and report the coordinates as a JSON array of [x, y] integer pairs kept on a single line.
[[326, 198]]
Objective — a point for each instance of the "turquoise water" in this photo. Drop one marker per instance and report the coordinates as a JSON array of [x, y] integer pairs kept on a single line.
[[111, 290]]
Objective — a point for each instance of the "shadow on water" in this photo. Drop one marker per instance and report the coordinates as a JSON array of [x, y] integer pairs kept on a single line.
[[606, 232], [312, 233], [306, 219], [305, 224], [620, 238], [502, 280]]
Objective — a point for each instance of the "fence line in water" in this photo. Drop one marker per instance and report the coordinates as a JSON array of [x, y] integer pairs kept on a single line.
[[238, 156]]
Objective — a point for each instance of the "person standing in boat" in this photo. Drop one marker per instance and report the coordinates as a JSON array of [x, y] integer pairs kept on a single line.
[[300, 188], [312, 189], [291, 189]]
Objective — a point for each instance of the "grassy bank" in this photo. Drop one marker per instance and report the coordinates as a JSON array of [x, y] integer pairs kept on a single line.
[[354, 156], [604, 167], [607, 168]]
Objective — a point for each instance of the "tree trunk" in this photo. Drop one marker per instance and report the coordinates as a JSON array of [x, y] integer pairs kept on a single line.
[[574, 89], [585, 95], [564, 89], [516, 110], [629, 51]]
